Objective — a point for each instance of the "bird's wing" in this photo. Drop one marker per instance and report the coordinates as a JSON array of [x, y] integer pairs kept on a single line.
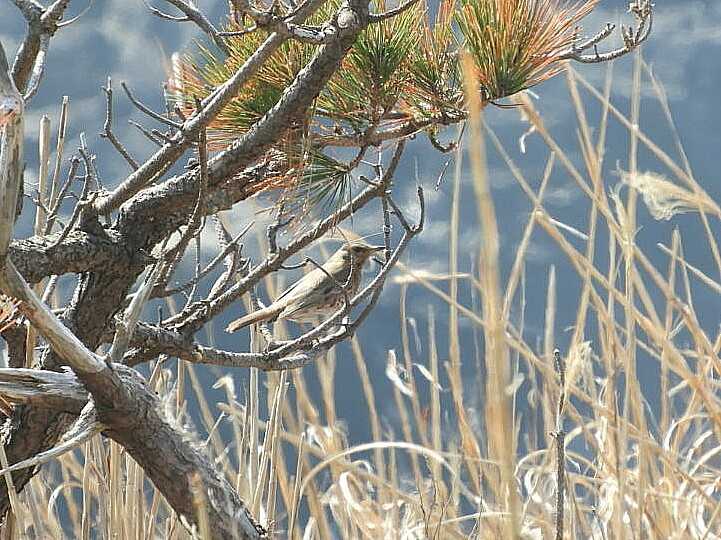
[[322, 290], [300, 287]]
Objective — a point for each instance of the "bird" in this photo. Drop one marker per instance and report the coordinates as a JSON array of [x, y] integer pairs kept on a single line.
[[320, 293]]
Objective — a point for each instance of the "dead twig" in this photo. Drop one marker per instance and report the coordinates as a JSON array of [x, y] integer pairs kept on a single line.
[[107, 132]]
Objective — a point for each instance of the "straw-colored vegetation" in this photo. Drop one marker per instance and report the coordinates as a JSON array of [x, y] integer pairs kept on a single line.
[[436, 467]]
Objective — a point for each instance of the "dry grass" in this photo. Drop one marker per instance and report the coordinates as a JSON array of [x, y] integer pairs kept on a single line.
[[430, 471]]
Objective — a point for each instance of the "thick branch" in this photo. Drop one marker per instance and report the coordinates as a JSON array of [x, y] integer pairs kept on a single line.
[[11, 153], [49, 389], [132, 415], [29, 63], [15, 337], [36, 258]]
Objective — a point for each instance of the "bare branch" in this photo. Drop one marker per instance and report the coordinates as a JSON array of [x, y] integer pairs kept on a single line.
[[209, 268], [273, 228], [152, 138], [165, 16], [297, 98], [60, 196], [41, 256], [38, 68], [42, 23], [82, 205], [192, 13], [632, 38], [49, 389], [126, 326], [78, 16], [378, 17], [58, 336], [137, 423], [83, 429], [131, 413], [108, 126], [147, 110], [11, 153]]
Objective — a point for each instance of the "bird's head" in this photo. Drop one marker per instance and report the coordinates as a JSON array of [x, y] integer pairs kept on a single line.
[[359, 252]]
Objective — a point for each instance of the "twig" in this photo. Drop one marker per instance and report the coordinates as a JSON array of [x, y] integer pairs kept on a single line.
[[29, 64], [296, 266], [397, 212], [378, 17], [125, 327], [81, 205], [386, 228], [85, 427], [642, 11], [164, 137], [166, 16], [53, 214], [209, 268], [107, 132], [59, 148], [238, 33], [89, 160], [152, 138], [192, 14], [50, 288], [198, 256], [38, 68], [148, 110], [273, 228], [235, 266], [77, 17]]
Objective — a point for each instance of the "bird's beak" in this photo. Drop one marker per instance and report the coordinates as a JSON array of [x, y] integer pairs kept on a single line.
[[374, 249]]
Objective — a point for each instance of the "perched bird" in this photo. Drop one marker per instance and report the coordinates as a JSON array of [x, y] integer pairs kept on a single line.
[[319, 293]]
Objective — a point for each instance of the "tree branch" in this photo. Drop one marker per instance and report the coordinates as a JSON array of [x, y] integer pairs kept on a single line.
[[170, 152], [49, 389], [107, 132], [632, 38], [131, 413], [192, 14], [195, 315], [29, 62], [290, 354], [11, 153]]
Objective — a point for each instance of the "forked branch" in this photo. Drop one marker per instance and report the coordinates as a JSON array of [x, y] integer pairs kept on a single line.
[[632, 37]]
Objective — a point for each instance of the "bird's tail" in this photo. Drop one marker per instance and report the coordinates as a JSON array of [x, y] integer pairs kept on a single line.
[[257, 316]]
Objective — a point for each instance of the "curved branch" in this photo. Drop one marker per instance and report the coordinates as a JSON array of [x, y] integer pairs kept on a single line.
[[642, 10], [192, 14]]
